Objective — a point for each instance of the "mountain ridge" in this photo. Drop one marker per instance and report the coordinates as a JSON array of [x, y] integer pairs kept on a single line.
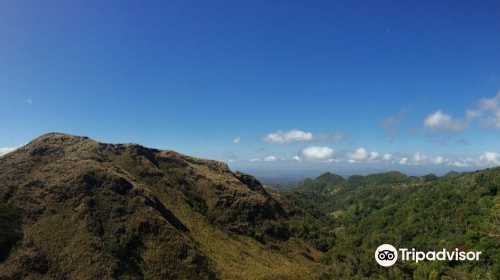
[[122, 211]]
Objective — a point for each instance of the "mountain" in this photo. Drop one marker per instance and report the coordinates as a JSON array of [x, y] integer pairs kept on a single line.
[[73, 208], [324, 183], [328, 182], [428, 213]]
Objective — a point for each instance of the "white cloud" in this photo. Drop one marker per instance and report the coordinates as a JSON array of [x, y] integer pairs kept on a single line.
[[403, 161], [489, 158], [295, 135], [459, 163], [438, 160], [486, 104], [487, 112], [444, 122], [485, 159], [472, 114], [4, 151], [316, 153], [325, 154], [270, 158], [237, 140], [420, 159], [287, 137], [359, 155], [362, 155]]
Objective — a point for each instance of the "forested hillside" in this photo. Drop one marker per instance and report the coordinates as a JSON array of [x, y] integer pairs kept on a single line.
[[428, 213]]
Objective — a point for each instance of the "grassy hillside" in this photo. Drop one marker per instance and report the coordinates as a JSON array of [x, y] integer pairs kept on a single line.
[[73, 208], [427, 213]]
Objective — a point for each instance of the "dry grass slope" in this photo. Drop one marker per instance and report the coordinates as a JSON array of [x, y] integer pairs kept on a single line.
[[89, 210]]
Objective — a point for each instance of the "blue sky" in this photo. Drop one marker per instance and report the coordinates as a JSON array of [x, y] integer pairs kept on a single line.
[[340, 86]]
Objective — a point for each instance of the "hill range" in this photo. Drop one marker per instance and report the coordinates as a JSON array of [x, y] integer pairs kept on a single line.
[[73, 208]]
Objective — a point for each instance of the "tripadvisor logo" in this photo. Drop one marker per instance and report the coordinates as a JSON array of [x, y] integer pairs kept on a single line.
[[387, 255]]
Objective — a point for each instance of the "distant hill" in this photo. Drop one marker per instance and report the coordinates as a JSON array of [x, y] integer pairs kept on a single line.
[[328, 182], [73, 208], [324, 183]]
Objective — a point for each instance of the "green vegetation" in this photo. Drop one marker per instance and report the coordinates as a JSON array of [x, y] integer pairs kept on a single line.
[[426, 213], [10, 229], [124, 247], [314, 231]]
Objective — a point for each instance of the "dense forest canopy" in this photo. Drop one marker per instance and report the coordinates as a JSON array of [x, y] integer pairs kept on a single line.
[[349, 218]]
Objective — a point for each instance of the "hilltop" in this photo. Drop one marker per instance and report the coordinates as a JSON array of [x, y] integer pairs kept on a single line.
[[73, 208]]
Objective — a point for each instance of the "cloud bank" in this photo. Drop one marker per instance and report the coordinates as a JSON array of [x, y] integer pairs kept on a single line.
[[326, 154]]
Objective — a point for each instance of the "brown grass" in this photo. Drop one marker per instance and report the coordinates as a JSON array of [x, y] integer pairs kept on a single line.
[[101, 211]]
